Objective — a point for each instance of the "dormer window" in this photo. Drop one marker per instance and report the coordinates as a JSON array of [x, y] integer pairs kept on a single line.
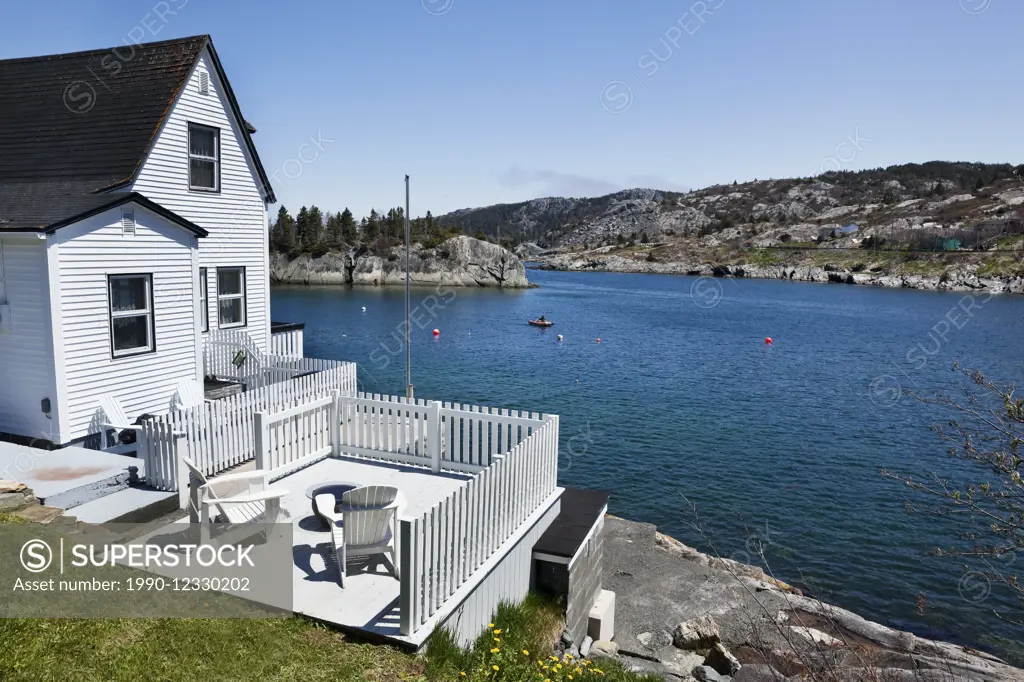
[[203, 158]]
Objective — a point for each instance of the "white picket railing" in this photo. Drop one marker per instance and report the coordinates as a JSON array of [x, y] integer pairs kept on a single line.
[[514, 456], [440, 435], [286, 342], [441, 549], [232, 354], [297, 437], [473, 436], [220, 434]]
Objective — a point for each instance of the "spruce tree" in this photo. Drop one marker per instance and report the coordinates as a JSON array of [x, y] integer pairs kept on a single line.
[[283, 232], [371, 229], [347, 227], [316, 227], [303, 236]]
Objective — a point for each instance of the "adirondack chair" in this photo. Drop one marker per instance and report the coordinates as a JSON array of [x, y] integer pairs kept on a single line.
[[257, 505], [361, 526], [114, 418], [189, 393]]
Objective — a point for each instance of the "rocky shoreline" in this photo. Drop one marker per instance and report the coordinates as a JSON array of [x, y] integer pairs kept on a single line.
[[957, 279], [685, 615], [459, 261]]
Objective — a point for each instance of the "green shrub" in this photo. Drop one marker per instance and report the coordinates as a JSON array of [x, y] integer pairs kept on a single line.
[[518, 646]]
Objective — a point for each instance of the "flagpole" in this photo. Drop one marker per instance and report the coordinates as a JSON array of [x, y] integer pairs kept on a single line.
[[408, 348]]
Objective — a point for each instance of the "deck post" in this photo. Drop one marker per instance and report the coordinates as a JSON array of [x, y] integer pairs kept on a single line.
[[261, 440], [407, 580], [434, 435], [182, 479], [335, 417]]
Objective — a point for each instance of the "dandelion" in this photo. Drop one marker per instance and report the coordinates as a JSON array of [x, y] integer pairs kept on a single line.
[[490, 625], [525, 652], [496, 639], [495, 650], [497, 632], [496, 667]]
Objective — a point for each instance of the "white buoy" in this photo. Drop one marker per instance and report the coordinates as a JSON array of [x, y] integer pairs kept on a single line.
[[364, 308]]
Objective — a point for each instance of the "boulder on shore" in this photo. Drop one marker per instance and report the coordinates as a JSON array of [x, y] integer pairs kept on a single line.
[[698, 633]]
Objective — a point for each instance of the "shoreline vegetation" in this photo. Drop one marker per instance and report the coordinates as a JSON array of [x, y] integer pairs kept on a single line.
[[332, 248]]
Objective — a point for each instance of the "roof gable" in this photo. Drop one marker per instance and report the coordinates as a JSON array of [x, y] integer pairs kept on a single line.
[[79, 123], [88, 115]]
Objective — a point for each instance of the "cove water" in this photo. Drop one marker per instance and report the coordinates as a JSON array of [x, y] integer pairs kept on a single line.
[[689, 419]]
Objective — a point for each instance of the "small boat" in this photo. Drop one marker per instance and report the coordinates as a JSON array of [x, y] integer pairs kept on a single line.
[[540, 323]]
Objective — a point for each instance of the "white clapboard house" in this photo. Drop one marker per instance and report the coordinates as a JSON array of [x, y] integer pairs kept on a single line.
[[135, 319]]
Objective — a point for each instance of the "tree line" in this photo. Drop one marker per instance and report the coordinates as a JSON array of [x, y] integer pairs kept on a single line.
[[316, 232]]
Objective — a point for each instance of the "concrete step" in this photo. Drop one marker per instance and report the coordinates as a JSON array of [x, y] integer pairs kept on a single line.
[[128, 505], [93, 491], [67, 477]]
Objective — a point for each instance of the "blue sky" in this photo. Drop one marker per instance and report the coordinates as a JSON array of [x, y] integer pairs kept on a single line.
[[485, 101]]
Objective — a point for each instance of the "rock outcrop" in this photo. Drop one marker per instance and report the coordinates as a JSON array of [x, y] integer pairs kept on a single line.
[[955, 279], [682, 614], [459, 261]]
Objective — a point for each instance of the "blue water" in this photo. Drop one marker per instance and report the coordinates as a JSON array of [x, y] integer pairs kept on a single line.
[[683, 405]]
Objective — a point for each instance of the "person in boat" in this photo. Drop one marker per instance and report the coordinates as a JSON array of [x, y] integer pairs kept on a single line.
[[542, 319]]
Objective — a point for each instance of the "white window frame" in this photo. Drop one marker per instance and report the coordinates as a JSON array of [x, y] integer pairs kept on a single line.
[[148, 312], [231, 297], [204, 297], [215, 159]]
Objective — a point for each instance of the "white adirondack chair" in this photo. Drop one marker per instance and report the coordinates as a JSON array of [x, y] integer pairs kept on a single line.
[[114, 418], [259, 504], [189, 393], [362, 524]]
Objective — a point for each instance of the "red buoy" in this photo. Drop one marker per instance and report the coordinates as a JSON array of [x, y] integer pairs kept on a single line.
[[767, 340], [437, 332]]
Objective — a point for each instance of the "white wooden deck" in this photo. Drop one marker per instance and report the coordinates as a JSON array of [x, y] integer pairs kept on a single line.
[[369, 600]]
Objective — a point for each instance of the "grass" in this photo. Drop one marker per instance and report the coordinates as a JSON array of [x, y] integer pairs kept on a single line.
[[192, 649]]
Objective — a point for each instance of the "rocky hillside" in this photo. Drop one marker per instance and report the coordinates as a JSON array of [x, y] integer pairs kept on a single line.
[[459, 261], [911, 203]]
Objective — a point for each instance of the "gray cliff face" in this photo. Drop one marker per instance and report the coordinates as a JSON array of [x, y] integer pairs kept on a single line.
[[957, 279], [459, 261]]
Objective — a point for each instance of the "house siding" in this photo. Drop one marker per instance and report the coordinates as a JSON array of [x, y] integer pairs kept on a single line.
[[235, 217], [510, 581], [87, 253], [26, 350]]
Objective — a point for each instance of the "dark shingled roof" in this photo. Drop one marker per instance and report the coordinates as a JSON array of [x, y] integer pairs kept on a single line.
[[580, 511], [75, 124]]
